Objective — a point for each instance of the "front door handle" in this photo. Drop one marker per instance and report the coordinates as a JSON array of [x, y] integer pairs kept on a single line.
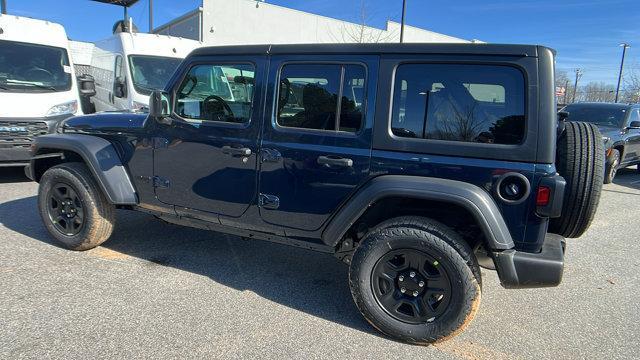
[[334, 161], [236, 151]]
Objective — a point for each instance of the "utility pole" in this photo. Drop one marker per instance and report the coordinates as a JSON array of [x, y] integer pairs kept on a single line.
[[150, 16], [566, 91], [3, 5], [624, 51], [575, 85], [404, 9]]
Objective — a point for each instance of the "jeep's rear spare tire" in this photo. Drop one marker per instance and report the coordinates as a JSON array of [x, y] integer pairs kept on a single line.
[[580, 160]]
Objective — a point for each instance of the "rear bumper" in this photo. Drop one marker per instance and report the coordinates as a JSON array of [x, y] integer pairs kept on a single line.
[[518, 269]]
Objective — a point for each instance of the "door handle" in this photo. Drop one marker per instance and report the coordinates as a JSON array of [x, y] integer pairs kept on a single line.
[[236, 151], [334, 161]]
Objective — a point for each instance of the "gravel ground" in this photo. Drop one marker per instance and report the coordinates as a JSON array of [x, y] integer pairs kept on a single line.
[[159, 290]]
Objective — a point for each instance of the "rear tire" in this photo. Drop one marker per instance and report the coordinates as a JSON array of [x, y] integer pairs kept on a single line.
[[580, 161], [73, 208], [394, 301]]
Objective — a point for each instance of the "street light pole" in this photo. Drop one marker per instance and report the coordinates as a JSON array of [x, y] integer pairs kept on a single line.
[[150, 16], [575, 86], [404, 9], [624, 51], [3, 5]]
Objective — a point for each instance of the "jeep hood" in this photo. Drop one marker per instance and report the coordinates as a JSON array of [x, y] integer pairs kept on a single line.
[[105, 122]]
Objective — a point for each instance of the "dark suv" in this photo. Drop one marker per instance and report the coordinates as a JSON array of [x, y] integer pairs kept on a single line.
[[620, 127], [415, 164]]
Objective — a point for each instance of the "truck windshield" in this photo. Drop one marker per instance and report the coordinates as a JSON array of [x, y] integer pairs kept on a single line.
[[28, 67], [602, 115], [151, 72]]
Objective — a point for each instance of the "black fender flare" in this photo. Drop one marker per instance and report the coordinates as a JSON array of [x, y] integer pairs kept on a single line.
[[100, 157], [476, 200]]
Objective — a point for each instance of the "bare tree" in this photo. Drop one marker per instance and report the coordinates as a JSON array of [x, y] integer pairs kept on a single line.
[[362, 33], [598, 92], [632, 85]]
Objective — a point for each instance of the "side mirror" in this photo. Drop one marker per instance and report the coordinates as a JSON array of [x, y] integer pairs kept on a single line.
[[120, 88], [160, 106], [634, 125], [563, 115], [86, 86]]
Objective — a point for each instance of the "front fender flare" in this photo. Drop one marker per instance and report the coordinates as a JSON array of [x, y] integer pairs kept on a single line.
[[100, 157], [477, 201]]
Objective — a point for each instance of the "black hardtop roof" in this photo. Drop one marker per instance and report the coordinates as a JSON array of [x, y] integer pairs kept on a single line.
[[380, 48]]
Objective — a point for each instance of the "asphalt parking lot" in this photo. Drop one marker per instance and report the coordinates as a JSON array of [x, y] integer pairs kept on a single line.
[[159, 290]]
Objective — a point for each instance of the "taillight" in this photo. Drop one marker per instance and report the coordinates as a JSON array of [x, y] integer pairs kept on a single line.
[[543, 196]]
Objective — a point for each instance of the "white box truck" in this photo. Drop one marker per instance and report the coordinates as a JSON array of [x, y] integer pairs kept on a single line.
[[38, 86]]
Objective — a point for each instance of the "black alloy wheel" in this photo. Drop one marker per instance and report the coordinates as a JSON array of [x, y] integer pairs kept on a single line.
[[411, 286], [65, 209]]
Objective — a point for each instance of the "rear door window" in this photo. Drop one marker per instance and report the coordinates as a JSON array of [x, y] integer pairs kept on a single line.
[[326, 97], [456, 102]]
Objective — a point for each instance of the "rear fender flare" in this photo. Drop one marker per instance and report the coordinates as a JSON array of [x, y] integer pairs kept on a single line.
[[476, 200]]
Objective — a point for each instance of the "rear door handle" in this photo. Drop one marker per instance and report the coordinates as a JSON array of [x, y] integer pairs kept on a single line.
[[334, 161], [236, 151]]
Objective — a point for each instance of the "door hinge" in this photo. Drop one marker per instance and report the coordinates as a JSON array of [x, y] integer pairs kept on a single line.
[[160, 182], [160, 143], [269, 201]]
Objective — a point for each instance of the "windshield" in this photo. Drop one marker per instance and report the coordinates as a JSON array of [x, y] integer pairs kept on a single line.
[[33, 68], [151, 72], [599, 115]]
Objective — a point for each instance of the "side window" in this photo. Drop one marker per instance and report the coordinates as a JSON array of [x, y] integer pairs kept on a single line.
[[634, 116], [321, 97], [217, 93], [119, 84], [471, 103]]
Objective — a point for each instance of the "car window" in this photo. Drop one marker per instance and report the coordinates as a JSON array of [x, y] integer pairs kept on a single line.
[[602, 115], [634, 115], [321, 97], [471, 103], [222, 93]]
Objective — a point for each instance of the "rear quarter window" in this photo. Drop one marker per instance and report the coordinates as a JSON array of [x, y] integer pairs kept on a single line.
[[459, 102]]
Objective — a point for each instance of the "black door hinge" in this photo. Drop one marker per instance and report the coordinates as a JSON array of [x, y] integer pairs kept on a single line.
[[269, 201], [160, 143], [160, 182]]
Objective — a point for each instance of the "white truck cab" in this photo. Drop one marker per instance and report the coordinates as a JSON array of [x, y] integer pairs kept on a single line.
[[128, 66], [38, 86]]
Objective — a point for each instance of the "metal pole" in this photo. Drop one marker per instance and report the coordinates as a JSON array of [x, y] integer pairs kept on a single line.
[[404, 9], [624, 50], [575, 86], [150, 16], [126, 15], [4, 6], [566, 90]]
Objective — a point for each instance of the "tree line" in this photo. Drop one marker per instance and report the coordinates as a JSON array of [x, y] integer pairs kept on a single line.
[[600, 91]]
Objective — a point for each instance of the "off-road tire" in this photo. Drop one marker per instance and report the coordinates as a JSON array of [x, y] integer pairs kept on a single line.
[[441, 243], [98, 213], [580, 161], [611, 166]]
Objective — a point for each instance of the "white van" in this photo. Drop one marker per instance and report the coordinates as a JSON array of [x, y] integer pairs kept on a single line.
[[129, 65], [38, 87]]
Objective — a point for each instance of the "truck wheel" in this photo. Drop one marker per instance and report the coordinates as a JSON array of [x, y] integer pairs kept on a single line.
[[580, 160], [611, 167], [73, 208], [415, 280]]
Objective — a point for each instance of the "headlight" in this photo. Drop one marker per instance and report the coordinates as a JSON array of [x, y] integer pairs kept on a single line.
[[140, 107], [61, 109]]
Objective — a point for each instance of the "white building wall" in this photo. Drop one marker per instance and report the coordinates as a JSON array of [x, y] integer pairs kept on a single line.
[[232, 22]]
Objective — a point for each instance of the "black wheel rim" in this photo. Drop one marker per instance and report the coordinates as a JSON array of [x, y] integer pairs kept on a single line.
[[411, 286], [65, 209]]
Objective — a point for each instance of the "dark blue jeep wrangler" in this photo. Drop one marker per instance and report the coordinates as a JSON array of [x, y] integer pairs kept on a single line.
[[415, 164]]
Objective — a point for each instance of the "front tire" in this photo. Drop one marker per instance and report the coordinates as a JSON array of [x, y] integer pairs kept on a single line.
[[415, 280], [611, 167], [73, 208]]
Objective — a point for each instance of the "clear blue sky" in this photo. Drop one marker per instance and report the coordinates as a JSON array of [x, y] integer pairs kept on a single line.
[[586, 33]]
